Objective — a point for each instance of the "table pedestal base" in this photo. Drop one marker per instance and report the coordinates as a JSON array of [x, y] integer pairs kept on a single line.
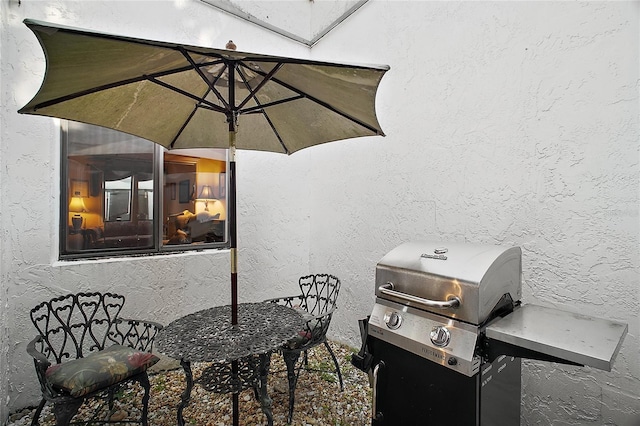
[[231, 377]]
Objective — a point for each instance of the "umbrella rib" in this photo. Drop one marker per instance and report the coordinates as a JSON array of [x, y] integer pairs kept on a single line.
[[252, 57], [264, 81], [108, 86], [197, 68], [275, 131], [270, 104], [328, 106], [318, 101], [257, 101], [213, 106], [260, 108], [184, 125]]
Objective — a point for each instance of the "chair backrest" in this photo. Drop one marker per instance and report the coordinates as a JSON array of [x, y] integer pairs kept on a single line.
[[320, 292], [75, 325]]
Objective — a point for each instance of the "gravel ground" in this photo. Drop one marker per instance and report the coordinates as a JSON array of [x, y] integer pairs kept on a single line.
[[318, 398]]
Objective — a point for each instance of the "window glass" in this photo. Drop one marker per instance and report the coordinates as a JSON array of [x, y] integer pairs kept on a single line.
[[126, 194], [117, 200], [194, 205]]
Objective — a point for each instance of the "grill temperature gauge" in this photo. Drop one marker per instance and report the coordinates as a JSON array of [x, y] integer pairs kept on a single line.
[[440, 336], [393, 320]]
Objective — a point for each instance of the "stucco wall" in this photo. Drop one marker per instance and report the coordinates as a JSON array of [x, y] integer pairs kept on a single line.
[[159, 288], [507, 122], [512, 123]]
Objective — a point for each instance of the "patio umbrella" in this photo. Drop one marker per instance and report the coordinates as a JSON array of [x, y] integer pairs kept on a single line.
[[182, 96]]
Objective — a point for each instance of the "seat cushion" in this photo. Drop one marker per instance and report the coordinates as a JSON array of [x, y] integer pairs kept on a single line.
[[99, 369], [303, 335]]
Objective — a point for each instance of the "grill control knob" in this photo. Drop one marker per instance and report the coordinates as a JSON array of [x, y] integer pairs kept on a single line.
[[440, 336], [393, 320]]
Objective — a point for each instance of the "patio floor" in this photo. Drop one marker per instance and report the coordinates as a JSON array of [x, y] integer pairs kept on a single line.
[[318, 398]]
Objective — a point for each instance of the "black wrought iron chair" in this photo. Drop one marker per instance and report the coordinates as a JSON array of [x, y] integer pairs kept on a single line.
[[85, 350], [317, 303]]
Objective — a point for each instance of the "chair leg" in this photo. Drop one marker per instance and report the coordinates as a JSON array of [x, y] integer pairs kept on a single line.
[[36, 415], [335, 362], [65, 412], [143, 379], [290, 359], [265, 402], [306, 359], [111, 400]]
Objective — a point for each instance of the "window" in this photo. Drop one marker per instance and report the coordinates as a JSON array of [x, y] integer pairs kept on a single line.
[[122, 194]]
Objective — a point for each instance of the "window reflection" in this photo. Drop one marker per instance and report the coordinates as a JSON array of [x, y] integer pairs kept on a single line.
[[125, 193], [145, 199], [194, 204], [117, 200]]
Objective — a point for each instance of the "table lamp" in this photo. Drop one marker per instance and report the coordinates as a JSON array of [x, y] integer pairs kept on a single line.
[[77, 205], [206, 194]]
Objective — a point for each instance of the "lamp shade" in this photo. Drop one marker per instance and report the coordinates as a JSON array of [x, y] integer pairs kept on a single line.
[[77, 205], [206, 193]]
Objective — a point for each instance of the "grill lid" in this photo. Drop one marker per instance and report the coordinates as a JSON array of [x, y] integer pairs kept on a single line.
[[460, 280]]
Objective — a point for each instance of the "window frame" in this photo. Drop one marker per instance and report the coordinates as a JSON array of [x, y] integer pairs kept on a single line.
[[157, 218]]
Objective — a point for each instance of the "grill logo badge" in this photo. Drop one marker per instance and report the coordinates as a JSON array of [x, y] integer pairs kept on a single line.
[[439, 254], [432, 353]]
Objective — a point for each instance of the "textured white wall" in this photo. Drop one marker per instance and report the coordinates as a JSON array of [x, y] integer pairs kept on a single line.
[[512, 123], [159, 288], [507, 122]]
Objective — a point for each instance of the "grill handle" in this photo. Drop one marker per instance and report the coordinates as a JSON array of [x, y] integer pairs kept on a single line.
[[387, 289], [375, 416]]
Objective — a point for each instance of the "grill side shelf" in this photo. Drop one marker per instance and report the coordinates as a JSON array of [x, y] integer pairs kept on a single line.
[[492, 349], [550, 334]]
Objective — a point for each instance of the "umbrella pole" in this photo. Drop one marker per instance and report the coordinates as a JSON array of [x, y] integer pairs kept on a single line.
[[232, 118], [233, 236], [233, 239]]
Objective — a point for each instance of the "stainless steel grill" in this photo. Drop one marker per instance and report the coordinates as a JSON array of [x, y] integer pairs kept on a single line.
[[448, 330]]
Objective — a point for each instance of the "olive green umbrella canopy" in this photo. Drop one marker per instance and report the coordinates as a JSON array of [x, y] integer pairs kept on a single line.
[[179, 96], [182, 96]]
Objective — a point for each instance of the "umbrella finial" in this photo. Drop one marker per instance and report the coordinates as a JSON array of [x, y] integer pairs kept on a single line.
[[230, 45]]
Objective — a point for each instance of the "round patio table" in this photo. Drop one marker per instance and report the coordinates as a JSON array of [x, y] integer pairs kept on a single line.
[[240, 354]]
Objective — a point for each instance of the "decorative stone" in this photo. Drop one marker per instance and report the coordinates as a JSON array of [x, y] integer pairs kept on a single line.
[[118, 416]]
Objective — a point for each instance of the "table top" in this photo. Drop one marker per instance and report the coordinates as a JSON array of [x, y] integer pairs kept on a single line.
[[208, 336]]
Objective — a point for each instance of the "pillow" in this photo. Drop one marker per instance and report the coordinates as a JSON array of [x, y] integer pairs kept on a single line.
[[205, 216], [99, 370], [310, 328]]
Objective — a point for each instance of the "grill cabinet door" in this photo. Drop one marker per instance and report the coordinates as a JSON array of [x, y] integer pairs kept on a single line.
[[413, 391]]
